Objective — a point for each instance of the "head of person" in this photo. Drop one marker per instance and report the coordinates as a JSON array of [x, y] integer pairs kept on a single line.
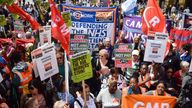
[[160, 88], [87, 91], [103, 54], [133, 82], [60, 58], [100, 45], [61, 85], [185, 48], [112, 85], [107, 42], [122, 34], [32, 103], [61, 104], [184, 66], [114, 73], [169, 73], [144, 68], [36, 87], [135, 55], [136, 39]]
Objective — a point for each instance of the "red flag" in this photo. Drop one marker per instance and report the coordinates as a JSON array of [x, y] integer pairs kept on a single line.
[[25, 16], [153, 19], [59, 28]]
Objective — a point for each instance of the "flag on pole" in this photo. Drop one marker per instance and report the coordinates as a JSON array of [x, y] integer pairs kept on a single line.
[[129, 7], [153, 19], [58, 27], [25, 16]]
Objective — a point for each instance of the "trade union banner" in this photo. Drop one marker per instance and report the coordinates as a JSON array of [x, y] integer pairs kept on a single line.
[[132, 26], [142, 101], [98, 23]]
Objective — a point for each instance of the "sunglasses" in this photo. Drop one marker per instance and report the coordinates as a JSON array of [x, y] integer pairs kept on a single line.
[[31, 88]]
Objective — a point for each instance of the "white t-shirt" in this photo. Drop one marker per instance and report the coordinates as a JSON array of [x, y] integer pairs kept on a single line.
[[109, 100], [90, 102]]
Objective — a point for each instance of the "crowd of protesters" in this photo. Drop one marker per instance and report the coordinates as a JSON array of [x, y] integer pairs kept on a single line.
[[20, 89]]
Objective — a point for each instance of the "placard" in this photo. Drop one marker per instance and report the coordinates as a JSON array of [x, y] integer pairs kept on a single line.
[[67, 18], [123, 56], [45, 37], [81, 66], [79, 42], [2, 20], [46, 62]]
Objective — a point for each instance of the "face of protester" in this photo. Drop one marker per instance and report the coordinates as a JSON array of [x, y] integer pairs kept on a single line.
[[33, 90], [133, 82], [35, 104], [160, 89], [115, 76], [169, 73], [135, 58], [60, 60], [113, 87], [184, 69], [136, 40], [107, 43], [144, 69], [87, 91]]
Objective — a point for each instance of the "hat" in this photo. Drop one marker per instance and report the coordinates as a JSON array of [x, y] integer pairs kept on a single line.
[[135, 52]]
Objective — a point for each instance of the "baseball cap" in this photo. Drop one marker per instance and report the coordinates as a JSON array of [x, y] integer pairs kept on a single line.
[[135, 52]]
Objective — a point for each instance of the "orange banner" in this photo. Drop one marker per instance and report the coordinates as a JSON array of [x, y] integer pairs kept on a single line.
[[141, 101]]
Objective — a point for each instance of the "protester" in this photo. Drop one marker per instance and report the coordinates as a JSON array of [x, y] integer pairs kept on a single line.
[[133, 88], [160, 90], [110, 96]]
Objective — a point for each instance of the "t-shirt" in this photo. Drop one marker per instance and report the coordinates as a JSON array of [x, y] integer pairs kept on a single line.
[[90, 102], [109, 100]]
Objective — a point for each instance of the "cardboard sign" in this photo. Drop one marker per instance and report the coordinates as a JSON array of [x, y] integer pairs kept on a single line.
[[67, 18], [45, 37], [141, 101], [2, 20], [79, 42], [18, 27], [46, 62], [1, 78], [81, 66], [123, 56], [155, 49]]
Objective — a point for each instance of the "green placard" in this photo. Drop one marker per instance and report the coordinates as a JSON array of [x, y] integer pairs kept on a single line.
[[67, 18], [81, 66], [2, 20]]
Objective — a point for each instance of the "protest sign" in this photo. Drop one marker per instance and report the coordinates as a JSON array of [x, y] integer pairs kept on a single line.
[[1, 78], [79, 42], [132, 26], [97, 22], [143, 101], [18, 26], [155, 49], [45, 37], [81, 66], [45, 59], [2, 20], [123, 57], [67, 18]]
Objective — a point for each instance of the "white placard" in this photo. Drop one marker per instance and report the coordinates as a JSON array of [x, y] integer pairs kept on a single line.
[[45, 37], [1, 78], [46, 62], [154, 51], [190, 69]]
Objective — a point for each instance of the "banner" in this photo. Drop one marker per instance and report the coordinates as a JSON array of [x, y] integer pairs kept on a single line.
[[132, 26], [79, 42], [123, 57], [129, 7], [181, 36], [155, 49], [19, 27], [81, 66], [143, 101], [98, 23], [18, 41], [45, 58]]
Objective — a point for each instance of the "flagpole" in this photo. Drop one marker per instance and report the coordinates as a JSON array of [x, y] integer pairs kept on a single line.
[[66, 76]]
